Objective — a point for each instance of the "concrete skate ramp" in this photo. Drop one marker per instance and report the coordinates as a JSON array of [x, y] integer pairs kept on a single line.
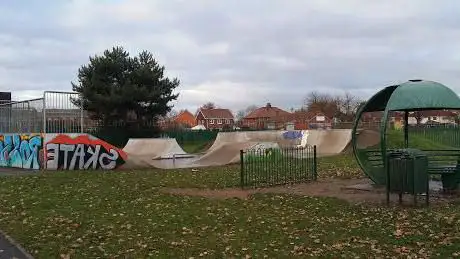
[[223, 153], [153, 148], [144, 153], [367, 138], [329, 142], [253, 136]]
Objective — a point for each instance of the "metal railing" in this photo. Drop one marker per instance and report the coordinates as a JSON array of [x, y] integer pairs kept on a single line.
[[55, 112], [22, 116], [275, 166], [61, 114]]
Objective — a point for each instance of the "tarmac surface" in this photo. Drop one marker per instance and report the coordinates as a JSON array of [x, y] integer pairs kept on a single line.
[[9, 249]]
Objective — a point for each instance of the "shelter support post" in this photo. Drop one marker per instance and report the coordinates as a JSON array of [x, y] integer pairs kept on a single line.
[[406, 129]]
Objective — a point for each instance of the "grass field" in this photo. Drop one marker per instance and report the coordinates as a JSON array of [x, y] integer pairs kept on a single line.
[[196, 146], [123, 214]]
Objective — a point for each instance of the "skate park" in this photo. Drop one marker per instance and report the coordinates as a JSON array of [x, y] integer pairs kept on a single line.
[[80, 167], [166, 153], [28, 143], [218, 129]]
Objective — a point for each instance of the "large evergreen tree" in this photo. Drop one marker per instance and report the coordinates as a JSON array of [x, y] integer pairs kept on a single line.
[[116, 88]]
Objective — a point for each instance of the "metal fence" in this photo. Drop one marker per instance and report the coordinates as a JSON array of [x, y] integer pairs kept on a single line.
[[22, 116], [61, 114], [446, 135], [275, 166], [55, 112]]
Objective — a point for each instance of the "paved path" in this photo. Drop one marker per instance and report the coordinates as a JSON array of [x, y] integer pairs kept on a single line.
[[8, 171], [9, 249]]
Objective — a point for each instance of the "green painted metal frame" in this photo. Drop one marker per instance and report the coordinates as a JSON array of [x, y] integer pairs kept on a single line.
[[270, 167], [379, 102]]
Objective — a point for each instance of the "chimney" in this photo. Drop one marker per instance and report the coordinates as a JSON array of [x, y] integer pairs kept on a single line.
[[269, 105]]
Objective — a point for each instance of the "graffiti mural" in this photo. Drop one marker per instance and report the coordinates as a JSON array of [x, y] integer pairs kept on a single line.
[[81, 152], [20, 150], [292, 134]]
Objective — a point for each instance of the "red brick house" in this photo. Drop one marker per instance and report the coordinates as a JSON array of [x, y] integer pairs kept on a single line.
[[311, 120], [215, 118], [185, 118], [267, 117]]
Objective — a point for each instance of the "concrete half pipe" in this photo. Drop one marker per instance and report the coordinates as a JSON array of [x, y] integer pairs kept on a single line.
[[329, 142], [166, 153], [154, 148]]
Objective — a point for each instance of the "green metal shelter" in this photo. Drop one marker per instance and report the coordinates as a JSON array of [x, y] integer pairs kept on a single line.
[[414, 95]]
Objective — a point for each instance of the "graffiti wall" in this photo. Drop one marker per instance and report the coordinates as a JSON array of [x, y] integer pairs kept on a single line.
[[294, 134], [21, 150], [67, 152]]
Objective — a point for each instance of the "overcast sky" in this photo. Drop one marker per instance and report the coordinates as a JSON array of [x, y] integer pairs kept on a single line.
[[236, 52]]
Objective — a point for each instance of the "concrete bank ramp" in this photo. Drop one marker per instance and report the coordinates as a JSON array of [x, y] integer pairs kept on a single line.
[[153, 148], [222, 153], [225, 153], [275, 136], [329, 142]]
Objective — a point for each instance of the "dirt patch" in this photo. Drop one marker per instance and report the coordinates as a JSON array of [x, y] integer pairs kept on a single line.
[[335, 188]]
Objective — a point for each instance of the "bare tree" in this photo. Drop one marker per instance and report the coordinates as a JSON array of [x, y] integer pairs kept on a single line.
[[343, 107], [349, 105], [242, 113], [250, 109], [321, 102], [208, 105], [418, 115]]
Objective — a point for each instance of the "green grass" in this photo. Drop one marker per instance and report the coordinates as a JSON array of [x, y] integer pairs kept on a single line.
[[416, 140], [271, 167], [340, 166], [449, 136], [196, 146], [107, 215], [90, 214]]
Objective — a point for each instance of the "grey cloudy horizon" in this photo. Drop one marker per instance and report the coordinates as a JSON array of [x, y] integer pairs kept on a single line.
[[236, 53]]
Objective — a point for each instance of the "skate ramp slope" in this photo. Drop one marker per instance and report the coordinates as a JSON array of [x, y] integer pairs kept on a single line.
[[276, 136], [153, 148], [229, 152], [329, 142]]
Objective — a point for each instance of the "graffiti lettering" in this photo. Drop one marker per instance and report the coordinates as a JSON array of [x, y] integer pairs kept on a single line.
[[64, 152], [21, 151], [292, 135]]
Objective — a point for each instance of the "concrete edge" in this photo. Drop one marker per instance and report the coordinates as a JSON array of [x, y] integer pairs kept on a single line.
[[17, 245]]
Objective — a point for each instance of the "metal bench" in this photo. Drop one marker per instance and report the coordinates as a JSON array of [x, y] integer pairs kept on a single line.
[[445, 163]]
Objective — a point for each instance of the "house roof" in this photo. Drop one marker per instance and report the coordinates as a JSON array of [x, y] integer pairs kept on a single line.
[[184, 112], [307, 115], [268, 111], [217, 113]]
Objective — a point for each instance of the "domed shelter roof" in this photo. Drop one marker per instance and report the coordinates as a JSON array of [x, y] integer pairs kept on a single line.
[[414, 95]]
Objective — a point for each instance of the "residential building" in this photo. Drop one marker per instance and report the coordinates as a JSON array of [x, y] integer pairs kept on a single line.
[[215, 118], [267, 117], [430, 117], [185, 118], [311, 120]]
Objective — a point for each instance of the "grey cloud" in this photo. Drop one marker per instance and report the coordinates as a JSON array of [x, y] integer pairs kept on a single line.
[[286, 48]]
